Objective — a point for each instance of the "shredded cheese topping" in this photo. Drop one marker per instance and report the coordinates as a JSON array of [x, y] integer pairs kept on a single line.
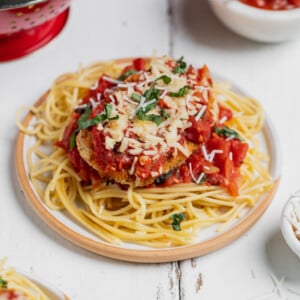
[[128, 98]]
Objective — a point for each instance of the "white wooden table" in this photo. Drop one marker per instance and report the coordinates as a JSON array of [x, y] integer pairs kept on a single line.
[[100, 30]]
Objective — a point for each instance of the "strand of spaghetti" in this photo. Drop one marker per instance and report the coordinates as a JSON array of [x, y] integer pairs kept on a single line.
[[80, 217], [157, 196], [235, 213], [132, 236]]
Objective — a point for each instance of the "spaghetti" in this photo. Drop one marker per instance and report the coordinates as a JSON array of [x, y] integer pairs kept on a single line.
[[16, 286], [165, 201]]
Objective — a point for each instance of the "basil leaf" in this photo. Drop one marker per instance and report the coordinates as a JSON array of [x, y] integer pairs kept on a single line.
[[72, 143], [136, 97], [108, 109], [181, 68], [177, 219], [85, 115], [92, 122], [3, 283], [164, 114], [84, 123], [227, 132], [127, 74], [183, 91], [166, 79], [83, 118], [153, 118], [152, 92]]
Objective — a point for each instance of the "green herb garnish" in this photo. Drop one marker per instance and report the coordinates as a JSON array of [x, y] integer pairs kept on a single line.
[[127, 74], [227, 132], [3, 283], [141, 114], [177, 218], [181, 68], [164, 114], [72, 142], [152, 92], [166, 79], [84, 123], [151, 117], [136, 97], [182, 92]]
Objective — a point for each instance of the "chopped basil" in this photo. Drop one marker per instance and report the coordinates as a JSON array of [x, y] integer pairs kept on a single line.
[[181, 68], [72, 143], [153, 118], [85, 114], [141, 114], [108, 110], [136, 97], [127, 74], [152, 92], [164, 114], [84, 123], [92, 122], [3, 283], [182, 92], [227, 132], [166, 79], [177, 218]]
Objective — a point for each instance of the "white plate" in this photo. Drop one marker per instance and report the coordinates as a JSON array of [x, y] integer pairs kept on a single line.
[[208, 241], [49, 290]]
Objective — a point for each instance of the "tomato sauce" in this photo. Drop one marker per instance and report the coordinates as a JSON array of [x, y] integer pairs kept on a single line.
[[273, 4]]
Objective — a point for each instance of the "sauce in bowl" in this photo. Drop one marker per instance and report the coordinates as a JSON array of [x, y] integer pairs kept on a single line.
[[273, 4]]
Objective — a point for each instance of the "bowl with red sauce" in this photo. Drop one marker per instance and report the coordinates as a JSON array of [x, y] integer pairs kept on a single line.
[[260, 20], [27, 25]]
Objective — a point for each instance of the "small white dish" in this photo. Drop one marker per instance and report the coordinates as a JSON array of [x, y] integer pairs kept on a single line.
[[258, 24], [287, 229]]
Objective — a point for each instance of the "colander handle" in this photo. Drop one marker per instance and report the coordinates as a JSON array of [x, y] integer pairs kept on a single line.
[[9, 4]]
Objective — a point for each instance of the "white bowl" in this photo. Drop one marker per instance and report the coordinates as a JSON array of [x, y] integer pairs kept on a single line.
[[258, 24], [286, 226]]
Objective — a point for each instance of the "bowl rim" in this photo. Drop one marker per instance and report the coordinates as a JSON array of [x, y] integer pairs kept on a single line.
[[258, 13], [22, 3], [286, 227]]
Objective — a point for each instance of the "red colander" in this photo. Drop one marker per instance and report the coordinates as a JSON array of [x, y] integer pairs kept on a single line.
[[27, 25]]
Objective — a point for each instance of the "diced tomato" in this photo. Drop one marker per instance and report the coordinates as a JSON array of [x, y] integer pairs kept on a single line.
[[225, 112], [204, 75], [239, 151], [197, 162], [163, 104], [233, 188], [219, 143], [139, 64], [102, 86], [200, 130]]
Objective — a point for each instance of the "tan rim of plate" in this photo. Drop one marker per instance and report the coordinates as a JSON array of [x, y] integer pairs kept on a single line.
[[132, 255]]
